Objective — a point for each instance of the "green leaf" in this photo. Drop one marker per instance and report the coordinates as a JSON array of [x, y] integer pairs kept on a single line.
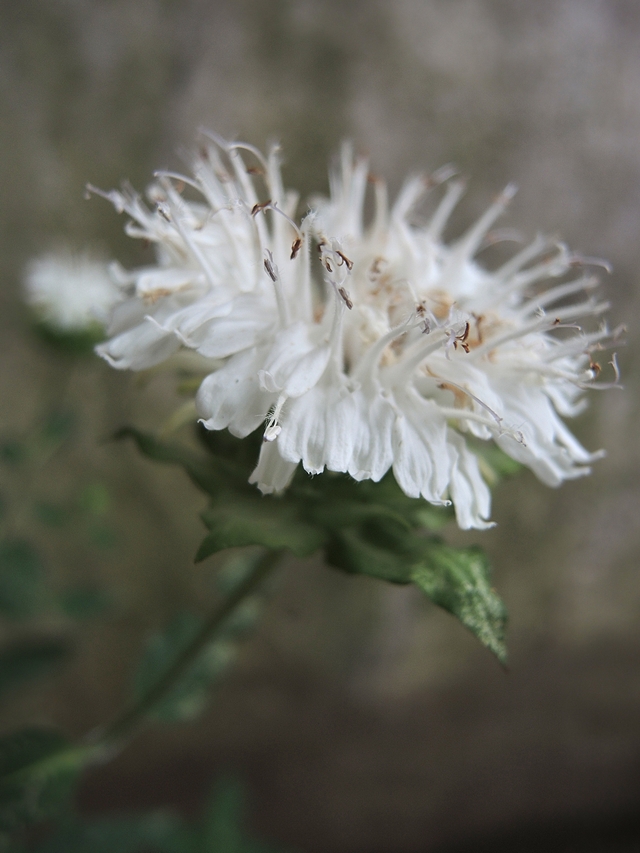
[[352, 552], [83, 602], [38, 770], [21, 579], [365, 528], [338, 500], [57, 428], [95, 499], [459, 581], [66, 342], [257, 520], [29, 659], [102, 535], [189, 696], [50, 514], [13, 452], [223, 828], [208, 474], [162, 833]]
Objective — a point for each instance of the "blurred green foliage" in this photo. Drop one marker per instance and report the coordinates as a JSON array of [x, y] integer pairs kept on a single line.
[[220, 829]]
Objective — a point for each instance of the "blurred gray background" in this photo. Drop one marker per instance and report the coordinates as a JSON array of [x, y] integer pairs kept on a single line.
[[362, 718]]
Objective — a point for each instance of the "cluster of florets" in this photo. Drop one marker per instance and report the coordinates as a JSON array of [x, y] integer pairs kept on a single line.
[[70, 292], [358, 347]]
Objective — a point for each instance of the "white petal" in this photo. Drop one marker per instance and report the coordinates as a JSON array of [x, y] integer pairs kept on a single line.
[[189, 320], [303, 432], [344, 432], [317, 429], [126, 315], [373, 420], [548, 448], [231, 397], [249, 321], [272, 473], [419, 447], [469, 492], [139, 348], [154, 280], [296, 362]]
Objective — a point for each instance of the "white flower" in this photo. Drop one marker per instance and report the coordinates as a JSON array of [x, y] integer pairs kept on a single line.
[[209, 289], [364, 347], [412, 347], [70, 292]]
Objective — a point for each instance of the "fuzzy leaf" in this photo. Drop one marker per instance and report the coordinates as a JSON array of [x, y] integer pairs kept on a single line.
[[21, 576], [27, 660], [223, 828], [83, 602], [337, 500], [50, 514], [366, 528], [208, 473], [37, 773], [257, 520], [160, 833], [350, 551], [458, 580]]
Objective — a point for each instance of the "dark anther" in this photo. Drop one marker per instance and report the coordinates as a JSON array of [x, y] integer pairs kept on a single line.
[[295, 248]]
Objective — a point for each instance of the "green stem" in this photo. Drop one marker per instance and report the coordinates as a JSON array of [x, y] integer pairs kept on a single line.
[[134, 715]]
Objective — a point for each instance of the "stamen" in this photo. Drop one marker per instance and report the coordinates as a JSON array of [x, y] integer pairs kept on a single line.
[[181, 179], [441, 175], [544, 323], [401, 372], [272, 271], [519, 260], [175, 204], [344, 259], [557, 293], [444, 210], [345, 296], [585, 261], [468, 244], [367, 367], [605, 386], [273, 428], [260, 206]]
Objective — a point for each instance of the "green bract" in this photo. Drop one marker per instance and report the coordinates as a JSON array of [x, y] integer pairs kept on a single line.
[[363, 528]]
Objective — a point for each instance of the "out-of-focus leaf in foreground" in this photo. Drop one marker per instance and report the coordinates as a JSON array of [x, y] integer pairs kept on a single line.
[[37, 775], [29, 659], [21, 579]]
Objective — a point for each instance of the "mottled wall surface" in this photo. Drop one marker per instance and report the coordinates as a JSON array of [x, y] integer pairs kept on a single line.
[[363, 718]]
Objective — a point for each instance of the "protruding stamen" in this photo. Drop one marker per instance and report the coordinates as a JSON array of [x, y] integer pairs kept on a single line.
[[469, 243], [258, 207], [272, 271], [585, 261], [604, 386], [444, 210], [273, 428]]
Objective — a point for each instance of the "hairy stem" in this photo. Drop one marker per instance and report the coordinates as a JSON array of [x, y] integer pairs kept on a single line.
[[125, 724]]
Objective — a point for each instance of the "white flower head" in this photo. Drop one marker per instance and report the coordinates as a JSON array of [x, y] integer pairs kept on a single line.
[[70, 292], [364, 347], [209, 289]]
